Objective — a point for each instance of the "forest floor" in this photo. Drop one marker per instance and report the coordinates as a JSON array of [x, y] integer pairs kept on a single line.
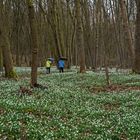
[[73, 106]]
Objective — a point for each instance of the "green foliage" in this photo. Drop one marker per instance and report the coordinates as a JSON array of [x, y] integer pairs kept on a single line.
[[68, 110]]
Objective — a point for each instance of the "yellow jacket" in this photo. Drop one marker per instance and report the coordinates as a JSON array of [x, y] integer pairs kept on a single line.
[[48, 64]]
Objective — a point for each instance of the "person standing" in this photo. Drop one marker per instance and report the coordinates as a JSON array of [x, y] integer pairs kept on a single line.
[[48, 66], [61, 65]]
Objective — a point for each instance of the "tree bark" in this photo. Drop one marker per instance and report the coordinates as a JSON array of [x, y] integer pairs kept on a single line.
[[79, 37], [1, 59], [136, 67], [5, 44], [34, 42], [7, 57], [127, 29]]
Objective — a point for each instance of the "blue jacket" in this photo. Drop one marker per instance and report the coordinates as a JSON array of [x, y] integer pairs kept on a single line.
[[61, 64]]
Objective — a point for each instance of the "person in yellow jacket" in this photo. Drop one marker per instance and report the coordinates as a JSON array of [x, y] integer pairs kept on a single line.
[[48, 66]]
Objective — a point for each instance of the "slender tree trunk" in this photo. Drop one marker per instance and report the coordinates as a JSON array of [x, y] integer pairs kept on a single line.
[[136, 67], [34, 42], [79, 36], [1, 59], [127, 29]]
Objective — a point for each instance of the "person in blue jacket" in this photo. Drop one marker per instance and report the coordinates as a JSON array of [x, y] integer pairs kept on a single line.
[[61, 65]]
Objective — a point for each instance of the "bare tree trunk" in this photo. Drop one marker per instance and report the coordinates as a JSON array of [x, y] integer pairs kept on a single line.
[[5, 44], [79, 36], [127, 29], [136, 67], [34, 42], [7, 57], [1, 60]]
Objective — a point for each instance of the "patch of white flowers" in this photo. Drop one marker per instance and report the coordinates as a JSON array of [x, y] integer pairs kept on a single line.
[[68, 110]]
